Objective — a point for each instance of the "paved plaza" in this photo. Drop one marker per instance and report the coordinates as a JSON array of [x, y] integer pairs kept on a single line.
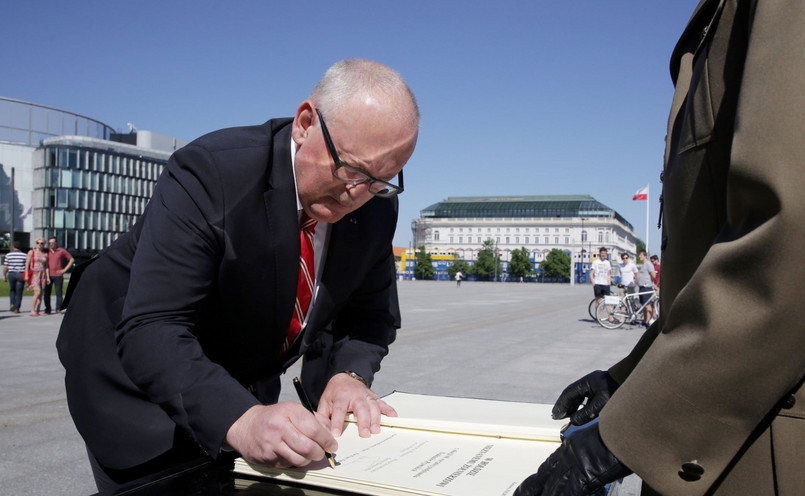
[[508, 341]]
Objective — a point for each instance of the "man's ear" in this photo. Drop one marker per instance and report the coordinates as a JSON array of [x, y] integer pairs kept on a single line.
[[304, 119]]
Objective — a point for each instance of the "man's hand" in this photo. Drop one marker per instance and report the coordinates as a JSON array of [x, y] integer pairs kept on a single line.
[[281, 435], [344, 395], [598, 386], [581, 466]]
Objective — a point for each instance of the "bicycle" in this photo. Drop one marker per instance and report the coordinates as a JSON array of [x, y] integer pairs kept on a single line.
[[617, 310], [592, 308]]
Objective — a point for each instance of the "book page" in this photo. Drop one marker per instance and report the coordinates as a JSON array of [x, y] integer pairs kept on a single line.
[[481, 417], [405, 461]]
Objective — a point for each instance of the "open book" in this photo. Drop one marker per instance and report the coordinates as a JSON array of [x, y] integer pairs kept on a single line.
[[438, 446]]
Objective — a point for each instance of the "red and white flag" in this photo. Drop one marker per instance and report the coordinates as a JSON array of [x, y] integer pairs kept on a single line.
[[642, 194]]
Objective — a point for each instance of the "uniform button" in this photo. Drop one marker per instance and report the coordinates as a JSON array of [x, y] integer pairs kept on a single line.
[[789, 402], [691, 471]]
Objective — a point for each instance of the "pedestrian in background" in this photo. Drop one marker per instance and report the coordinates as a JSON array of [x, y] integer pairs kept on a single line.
[[38, 274], [13, 273], [59, 262]]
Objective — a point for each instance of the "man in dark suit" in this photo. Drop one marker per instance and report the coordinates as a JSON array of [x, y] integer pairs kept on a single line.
[[711, 400], [173, 344]]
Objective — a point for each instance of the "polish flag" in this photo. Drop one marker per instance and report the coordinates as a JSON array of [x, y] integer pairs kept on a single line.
[[642, 194]]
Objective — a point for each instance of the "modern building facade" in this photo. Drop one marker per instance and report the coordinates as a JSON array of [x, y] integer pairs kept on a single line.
[[575, 224], [73, 176]]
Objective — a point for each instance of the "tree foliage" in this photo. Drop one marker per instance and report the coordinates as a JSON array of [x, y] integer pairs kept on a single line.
[[424, 265], [556, 264], [488, 263], [520, 264], [639, 245], [458, 265]]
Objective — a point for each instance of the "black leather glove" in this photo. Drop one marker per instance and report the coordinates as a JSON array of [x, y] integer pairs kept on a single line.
[[598, 386], [581, 466]]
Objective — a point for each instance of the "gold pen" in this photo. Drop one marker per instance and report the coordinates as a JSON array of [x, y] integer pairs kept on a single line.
[[306, 403]]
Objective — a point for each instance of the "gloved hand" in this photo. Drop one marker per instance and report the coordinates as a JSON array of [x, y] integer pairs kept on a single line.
[[598, 386], [581, 466]]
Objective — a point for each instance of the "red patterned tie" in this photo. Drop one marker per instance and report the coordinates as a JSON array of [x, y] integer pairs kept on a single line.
[[307, 276]]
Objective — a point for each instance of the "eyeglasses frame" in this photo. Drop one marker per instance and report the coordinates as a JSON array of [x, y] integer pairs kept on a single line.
[[368, 178]]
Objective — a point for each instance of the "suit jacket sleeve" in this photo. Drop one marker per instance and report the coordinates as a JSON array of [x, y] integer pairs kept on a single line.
[[367, 325], [173, 279], [732, 342]]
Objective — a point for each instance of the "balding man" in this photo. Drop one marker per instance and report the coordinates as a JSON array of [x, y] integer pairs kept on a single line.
[[177, 334]]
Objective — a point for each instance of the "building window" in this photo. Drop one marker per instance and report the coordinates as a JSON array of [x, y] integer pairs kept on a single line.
[[567, 240], [436, 235], [547, 240]]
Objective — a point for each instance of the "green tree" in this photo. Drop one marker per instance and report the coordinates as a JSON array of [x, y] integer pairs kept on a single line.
[[488, 264], [520, 264], [458, 265], [424, 265], [639, 245], [556, 264]]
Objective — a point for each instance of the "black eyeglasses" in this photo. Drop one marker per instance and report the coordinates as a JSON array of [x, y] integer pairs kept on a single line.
[[349, 174]]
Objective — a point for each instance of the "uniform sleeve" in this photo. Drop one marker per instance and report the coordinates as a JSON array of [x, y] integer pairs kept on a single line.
[[732, 344]]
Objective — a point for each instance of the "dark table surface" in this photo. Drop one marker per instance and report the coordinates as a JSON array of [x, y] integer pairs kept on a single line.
[[207, 478]]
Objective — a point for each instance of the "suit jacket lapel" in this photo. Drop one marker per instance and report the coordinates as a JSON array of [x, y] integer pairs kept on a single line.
[[283, 228]]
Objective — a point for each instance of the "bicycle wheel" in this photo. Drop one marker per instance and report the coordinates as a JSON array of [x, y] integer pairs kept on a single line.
[[591, 309], [612, 316]]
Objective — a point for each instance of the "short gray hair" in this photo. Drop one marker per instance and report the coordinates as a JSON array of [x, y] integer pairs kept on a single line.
[[350, 77]]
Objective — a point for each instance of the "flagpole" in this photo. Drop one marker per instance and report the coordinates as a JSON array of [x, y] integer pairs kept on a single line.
[[648, 194]]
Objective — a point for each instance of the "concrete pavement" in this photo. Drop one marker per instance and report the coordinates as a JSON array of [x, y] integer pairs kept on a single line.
[[508, 341]]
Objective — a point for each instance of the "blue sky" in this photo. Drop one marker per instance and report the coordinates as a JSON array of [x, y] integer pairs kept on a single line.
[[517, 97]]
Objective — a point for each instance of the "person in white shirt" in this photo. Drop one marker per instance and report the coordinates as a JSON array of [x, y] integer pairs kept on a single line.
[[628, 271], [601, 275]]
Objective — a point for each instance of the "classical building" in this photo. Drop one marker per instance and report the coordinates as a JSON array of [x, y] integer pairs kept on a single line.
[[72, 176], [575, 224]]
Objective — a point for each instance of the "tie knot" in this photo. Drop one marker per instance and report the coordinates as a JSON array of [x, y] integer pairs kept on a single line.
[[308, 224]]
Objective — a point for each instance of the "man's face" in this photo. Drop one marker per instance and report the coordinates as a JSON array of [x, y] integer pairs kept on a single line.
[[364, 137], [53, 244], [642, 257], [602, 255]]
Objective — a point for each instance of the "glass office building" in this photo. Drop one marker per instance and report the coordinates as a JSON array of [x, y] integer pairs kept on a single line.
[[88, 191], [70, 176]]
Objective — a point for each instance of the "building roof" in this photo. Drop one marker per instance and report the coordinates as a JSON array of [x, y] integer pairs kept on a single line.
[[521, 206]]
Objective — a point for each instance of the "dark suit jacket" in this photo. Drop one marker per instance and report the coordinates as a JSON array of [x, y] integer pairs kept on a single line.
[[712, 400], [169, 323]]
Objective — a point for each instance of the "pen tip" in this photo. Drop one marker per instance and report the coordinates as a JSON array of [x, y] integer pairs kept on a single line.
[[331, 460]]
